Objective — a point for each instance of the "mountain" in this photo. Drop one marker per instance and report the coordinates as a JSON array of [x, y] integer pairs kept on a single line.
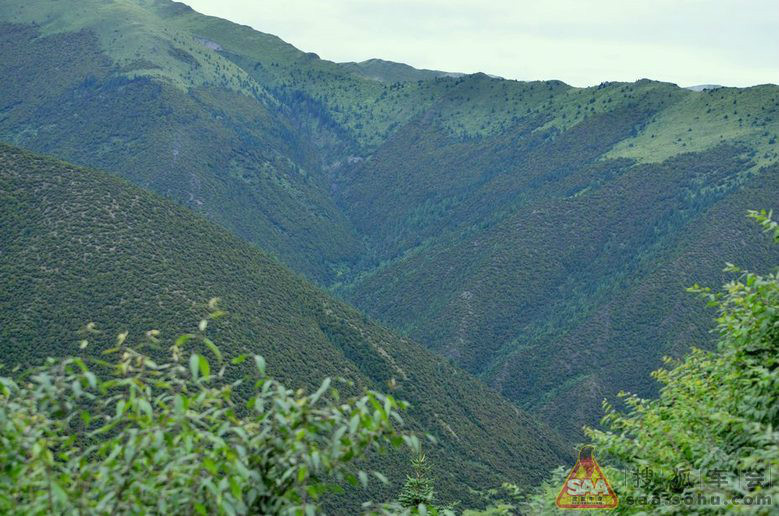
[[81, 246], [114, 85], [390, 71], [522, 255], [536, 234], [572, 298]]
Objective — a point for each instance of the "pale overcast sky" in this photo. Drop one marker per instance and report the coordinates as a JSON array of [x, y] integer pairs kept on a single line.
[[581, 42]]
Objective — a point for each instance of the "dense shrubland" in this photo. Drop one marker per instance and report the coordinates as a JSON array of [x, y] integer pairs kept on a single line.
[[485, 218], [591, 276], [79, 245], [201, 433]]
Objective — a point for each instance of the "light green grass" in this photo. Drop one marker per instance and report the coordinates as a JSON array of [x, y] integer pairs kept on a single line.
[[140, 42], [702, 120]]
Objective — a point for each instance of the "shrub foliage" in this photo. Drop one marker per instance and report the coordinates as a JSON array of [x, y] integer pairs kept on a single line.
[[131, 435]]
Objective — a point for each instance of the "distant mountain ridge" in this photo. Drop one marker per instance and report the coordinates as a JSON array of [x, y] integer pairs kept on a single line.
[[500, 223], [390, 71], [704, 87]]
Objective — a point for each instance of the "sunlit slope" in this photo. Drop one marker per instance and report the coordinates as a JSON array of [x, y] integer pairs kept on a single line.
[[171, 42], [705, 119], [392, 72]]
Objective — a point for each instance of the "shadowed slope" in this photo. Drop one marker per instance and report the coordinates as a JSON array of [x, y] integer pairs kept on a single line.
[[79, 245]]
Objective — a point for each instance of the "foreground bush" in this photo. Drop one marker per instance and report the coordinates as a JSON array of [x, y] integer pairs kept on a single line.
[[132, 435]]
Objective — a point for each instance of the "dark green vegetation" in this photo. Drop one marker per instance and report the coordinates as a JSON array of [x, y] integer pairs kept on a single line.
[[81, 246], [571, 298], [219, 151], [418, 488], [536, 234], [708, 443]]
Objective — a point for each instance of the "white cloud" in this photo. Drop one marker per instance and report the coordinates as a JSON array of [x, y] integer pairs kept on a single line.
[[581, 42]]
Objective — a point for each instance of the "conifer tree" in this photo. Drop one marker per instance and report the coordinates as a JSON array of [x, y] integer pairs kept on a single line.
[[418, 488]]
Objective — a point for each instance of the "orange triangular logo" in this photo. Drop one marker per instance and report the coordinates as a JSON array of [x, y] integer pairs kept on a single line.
[[586, 487]]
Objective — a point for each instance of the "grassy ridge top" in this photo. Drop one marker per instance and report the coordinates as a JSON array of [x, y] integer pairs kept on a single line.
[[80, 246], [391, 72], [171, 42]]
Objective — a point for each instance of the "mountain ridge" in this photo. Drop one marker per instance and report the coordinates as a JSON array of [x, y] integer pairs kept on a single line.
[[392, 71]]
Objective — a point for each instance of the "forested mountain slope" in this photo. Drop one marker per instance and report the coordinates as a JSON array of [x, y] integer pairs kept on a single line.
[[80, 246], [508, 225], [114, 85], [571, 299], [525, 256]]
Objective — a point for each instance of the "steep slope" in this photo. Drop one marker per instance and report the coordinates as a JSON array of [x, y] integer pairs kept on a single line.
[[255, 134], [574, 297], [490, 219], [79, 245], [650, 316], [512, 247], [111, 85], [426, 180]]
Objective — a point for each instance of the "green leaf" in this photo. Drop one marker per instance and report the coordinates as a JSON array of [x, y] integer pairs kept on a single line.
[[183, 339], [205, 367], [91, 379], [235, 488], [145, 407], [60, 496], [412, 441], [213, 348], [194, 365], [120, 407], [320, 391], [209, 465], [178, 404], [240, 359], [259, 361], [354, 423]]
